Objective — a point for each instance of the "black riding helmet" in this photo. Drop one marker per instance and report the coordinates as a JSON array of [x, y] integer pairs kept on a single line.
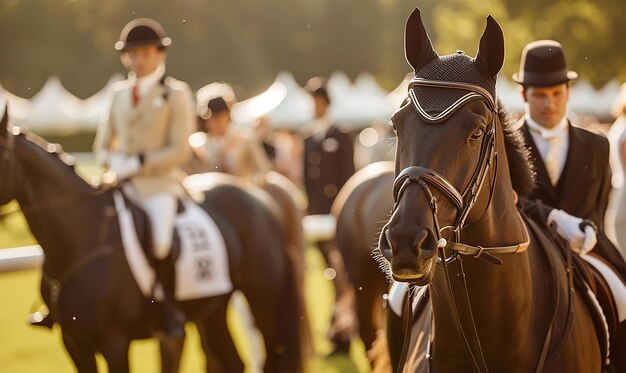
[[142, 31]]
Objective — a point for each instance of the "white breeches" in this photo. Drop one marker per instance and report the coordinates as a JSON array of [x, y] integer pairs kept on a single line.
[[161, 210]]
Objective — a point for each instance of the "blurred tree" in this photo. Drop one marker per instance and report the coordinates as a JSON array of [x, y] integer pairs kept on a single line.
[[247, 42]]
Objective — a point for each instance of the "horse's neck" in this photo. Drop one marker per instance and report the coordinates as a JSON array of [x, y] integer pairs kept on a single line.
[[64, 227], [499, 294]]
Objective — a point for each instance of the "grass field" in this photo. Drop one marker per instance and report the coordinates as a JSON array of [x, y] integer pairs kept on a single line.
[[25, 349]]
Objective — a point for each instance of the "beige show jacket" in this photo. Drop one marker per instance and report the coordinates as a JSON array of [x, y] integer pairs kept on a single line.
[[158, 127]]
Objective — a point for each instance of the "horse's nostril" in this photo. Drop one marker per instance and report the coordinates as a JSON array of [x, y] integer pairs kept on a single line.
[[384, 244], [426, 243], [388, 239]]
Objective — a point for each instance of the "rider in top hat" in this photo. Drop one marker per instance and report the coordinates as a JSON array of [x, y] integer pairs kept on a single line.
[[144, 140], [572, 164]]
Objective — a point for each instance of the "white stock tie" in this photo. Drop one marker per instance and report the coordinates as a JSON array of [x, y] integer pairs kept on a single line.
[[552, 160]]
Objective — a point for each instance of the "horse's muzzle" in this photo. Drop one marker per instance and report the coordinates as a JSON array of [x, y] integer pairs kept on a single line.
[[411, 260]]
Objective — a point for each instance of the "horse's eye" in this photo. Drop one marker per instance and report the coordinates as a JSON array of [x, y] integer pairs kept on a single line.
[[478, 133]]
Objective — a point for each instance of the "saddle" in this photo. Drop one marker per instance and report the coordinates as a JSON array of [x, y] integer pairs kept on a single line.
[[198, 250], [588, 282]]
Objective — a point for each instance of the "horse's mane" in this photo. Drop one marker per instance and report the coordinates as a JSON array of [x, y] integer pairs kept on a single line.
[[518, 155], [55, 150]]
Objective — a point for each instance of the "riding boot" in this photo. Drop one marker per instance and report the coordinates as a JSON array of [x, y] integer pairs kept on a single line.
[[41, 317], [174, 319]]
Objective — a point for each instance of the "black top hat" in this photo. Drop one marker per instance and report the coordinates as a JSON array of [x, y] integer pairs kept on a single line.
[[142, 31], [543, 65], [316, 86]]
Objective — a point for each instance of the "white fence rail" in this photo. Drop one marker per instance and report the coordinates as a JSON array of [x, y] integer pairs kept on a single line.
[[18, 258], [316, 228]]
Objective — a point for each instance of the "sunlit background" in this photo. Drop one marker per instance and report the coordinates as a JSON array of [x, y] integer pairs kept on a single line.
[[57, 61]]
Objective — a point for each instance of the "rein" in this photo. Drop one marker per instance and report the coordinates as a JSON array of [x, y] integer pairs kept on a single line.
[[464, 202]]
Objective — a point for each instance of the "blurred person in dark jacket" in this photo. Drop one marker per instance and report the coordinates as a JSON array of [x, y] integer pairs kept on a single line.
[[328, 162]]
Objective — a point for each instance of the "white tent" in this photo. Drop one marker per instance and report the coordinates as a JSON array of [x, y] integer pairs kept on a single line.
[[54, 109], [94, 108], [296, 109], [360, 103], [18, 107], [247, 111], [287, 105], [394, 98]]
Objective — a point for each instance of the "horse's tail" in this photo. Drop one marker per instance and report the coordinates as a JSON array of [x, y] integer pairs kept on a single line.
[[296, 340]]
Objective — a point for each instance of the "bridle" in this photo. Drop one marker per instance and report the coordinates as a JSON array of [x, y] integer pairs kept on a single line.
[[463, 202]]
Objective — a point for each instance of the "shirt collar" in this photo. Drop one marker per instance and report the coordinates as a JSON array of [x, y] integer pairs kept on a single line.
[[148, 81], [547, 133]]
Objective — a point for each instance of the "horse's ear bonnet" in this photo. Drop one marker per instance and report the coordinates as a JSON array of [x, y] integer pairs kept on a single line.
[[438, 103]]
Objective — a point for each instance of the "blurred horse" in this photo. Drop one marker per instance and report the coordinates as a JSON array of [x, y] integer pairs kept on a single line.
[[88, 285], [362, 207]]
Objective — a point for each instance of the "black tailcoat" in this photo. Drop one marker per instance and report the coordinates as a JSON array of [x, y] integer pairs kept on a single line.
[[583, 187], [328, 164]]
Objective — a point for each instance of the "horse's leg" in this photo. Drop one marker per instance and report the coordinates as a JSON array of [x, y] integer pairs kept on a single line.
[[115, 352], [82, 353], [239, 305], [339, 336], [278, 315], [171, 352], [369, 311], [369, 300], [217, 343]]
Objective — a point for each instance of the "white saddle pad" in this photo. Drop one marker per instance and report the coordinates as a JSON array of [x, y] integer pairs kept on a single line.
[[615, 284], [202, 267]]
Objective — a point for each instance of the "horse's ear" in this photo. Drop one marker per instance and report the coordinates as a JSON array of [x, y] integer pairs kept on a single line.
[[417, 46], [490, 55]]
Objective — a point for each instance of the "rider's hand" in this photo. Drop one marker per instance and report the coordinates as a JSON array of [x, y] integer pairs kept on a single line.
[[569, 227], [125, 166]]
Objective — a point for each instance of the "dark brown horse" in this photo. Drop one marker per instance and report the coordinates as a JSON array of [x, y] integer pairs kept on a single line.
[[502, 297], [362, 207], [88, 285]]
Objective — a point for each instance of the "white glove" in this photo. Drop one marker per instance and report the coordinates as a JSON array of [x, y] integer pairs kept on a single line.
[[568, 227], [114, 158], [124, 166]]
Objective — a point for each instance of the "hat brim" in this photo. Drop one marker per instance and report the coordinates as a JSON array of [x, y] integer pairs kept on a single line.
[[162, 43], [544, 79]]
